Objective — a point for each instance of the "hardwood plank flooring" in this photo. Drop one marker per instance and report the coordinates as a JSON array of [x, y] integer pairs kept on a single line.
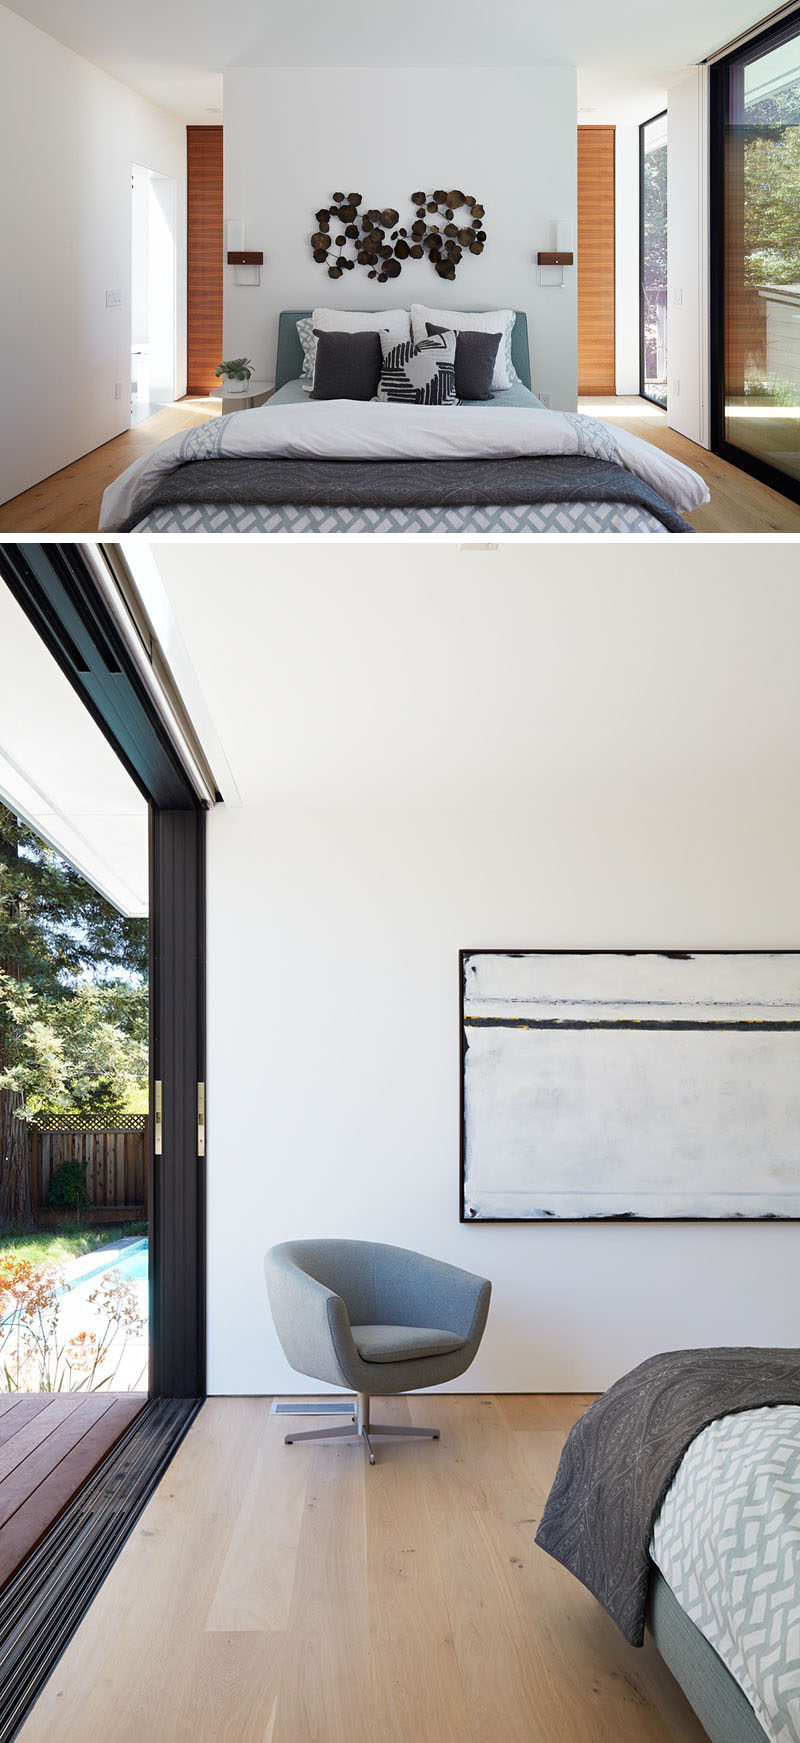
[[50, 1443], [739, 503], [274, 1594], [69, 502]]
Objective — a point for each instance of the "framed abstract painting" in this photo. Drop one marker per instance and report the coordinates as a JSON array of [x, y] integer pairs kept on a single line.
[[633, 1085]]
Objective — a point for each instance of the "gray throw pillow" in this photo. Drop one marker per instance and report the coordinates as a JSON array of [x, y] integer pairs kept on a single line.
[[348, 365], [475, 360]]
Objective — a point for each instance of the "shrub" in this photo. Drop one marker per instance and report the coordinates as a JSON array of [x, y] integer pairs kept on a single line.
[[68, 1188]]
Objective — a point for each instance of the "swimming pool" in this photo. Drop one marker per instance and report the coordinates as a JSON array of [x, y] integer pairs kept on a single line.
[[132, 1262], [79, 1313]]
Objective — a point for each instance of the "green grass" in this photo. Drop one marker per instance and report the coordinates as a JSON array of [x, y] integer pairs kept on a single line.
[[57, 1246]]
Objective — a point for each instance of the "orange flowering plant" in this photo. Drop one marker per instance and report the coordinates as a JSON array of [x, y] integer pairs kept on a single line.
[[34, 1357]]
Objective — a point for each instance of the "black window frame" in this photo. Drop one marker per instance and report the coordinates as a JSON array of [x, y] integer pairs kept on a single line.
[[651, 400], [719, 88]]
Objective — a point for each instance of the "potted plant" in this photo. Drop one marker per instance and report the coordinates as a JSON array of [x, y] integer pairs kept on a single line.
[[235, 374]]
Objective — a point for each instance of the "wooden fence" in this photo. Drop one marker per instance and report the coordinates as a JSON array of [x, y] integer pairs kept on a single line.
[[116, 1170]]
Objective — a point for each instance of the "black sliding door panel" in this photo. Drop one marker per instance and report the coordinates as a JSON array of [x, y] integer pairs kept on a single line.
[[177, 1198], [755, 256], [56, 587]]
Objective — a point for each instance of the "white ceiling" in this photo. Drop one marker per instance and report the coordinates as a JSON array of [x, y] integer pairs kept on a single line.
[[175, 52], [437, 676], [60, 774]]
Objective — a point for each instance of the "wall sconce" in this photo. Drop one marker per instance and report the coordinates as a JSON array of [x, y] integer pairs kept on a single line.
[[559, 257], [248, 262]]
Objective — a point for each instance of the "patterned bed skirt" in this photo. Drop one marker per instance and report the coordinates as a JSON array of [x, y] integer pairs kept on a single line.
[[540, 517]]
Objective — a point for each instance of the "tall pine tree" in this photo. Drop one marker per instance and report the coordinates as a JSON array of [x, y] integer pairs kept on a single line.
[[73, 999]]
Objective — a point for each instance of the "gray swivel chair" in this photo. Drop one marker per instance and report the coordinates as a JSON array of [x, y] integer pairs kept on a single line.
[[375, 1319]]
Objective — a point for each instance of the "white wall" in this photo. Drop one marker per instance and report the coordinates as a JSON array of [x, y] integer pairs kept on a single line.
[[294, 136], [625, 773], [69, 136], [140, 264], [687, 265]]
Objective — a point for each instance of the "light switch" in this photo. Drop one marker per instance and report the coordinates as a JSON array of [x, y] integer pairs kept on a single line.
[[113, 299]]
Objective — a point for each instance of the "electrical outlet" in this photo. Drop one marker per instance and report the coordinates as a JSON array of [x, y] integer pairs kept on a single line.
[[545, 399], [117, 389], [113, 299]]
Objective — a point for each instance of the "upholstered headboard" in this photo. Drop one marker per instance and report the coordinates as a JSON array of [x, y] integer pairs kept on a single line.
[[289, 361]]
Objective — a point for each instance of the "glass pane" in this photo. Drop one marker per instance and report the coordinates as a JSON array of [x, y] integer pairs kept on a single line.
[[654, 259], [762, 256]]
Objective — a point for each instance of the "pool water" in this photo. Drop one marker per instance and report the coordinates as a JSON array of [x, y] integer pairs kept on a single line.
[[79, 1314], [132, 1264]]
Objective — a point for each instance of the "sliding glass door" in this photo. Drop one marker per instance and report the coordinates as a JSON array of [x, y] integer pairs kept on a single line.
[[755, 229], [653, 259]]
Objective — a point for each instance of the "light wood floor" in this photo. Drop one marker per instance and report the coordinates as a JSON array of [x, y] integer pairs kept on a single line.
[[274, 1594], [69, 502], [739, 503]]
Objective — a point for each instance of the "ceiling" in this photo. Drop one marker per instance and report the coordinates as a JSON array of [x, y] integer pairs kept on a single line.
[[355, 676], [175, 53], [59, 773]]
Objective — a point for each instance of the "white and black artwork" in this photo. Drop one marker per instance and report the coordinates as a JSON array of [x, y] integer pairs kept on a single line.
[[637, 1085]]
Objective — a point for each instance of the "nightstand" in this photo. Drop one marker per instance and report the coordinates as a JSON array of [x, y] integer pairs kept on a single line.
[[255, 393]]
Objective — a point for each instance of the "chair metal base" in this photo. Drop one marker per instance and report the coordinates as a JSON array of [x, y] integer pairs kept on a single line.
[[363, 1431]]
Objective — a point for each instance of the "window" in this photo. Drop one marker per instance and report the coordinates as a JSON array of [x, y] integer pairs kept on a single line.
[[755, 227], [653, 259]]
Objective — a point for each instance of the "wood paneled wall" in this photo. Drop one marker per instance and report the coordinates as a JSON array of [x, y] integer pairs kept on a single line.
[[204, 257], [596, 262]]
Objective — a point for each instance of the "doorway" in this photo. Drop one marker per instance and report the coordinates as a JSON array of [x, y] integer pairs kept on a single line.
[[153, 291], [596, 261]]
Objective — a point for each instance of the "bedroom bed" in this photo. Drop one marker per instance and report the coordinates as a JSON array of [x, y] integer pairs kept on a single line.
[[496, 466], [677, 1503], [711, 1690]]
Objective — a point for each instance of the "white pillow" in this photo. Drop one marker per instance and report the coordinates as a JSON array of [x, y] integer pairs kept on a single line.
[[394, 321], [501, 320]]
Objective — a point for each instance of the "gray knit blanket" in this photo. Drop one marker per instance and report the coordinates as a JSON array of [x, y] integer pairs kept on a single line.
[[621, 1457], [406, 484]]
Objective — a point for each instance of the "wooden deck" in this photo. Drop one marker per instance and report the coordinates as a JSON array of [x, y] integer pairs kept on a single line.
[[50, 1443]]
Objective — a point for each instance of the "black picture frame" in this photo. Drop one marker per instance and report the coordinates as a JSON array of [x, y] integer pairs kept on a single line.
[[604, 1221]]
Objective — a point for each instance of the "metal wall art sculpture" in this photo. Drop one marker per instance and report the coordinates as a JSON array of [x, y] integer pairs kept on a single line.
[[346, 237]]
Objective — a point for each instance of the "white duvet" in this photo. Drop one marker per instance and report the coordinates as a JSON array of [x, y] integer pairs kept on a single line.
[[364, 430]]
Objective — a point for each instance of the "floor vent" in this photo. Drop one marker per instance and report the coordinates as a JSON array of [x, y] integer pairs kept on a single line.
[[313, 1407]]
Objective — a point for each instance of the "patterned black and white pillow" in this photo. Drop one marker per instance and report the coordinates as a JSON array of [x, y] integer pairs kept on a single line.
[[423, 374]]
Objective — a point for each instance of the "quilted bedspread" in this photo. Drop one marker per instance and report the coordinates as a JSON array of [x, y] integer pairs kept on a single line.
[[352, 453]]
